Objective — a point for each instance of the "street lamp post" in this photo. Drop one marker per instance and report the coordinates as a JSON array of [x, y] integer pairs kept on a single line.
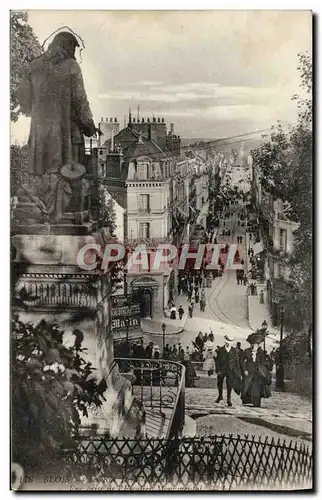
[[264, 327], [280, 371], [127, 324], [163, 337]]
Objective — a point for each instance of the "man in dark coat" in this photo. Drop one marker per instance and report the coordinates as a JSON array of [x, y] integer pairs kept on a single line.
[[228, 367], [54, 96], [138, 353], [149, 350]]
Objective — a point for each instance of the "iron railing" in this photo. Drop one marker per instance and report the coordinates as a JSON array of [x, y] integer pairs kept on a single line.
[[160, 386], [202, 463]]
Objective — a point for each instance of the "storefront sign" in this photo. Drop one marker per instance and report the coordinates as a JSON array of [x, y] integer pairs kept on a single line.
[[122, 309]]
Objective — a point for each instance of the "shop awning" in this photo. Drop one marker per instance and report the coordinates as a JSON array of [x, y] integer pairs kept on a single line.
[[144, 283]]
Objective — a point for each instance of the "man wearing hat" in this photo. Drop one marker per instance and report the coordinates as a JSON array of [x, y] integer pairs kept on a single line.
[[228, 367]]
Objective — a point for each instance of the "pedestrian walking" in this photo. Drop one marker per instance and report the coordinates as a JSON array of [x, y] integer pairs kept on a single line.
[[181, 312], [190, 374], [199, 342], [149, 350], [173, 312], [209, 353], [190, 310], [239, 352], [228, 367], [237, 276], [256, 374]]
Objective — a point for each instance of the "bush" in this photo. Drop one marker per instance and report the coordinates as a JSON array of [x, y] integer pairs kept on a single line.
[[52, 385]]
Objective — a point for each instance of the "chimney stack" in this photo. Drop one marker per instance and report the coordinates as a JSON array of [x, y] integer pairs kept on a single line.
[[115, 120], [162, 120], [102, 119], [172, 128], [112, 142], [111, 119], [158, 120]]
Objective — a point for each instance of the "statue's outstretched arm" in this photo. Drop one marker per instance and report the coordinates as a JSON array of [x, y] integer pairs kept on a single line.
[[80, 102]]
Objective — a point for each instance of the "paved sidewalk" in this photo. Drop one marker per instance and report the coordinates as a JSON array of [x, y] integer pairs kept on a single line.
[[258, 312], [281, 406], [154, 326]]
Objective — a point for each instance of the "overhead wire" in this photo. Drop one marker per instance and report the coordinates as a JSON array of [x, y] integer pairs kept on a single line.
[[203, 146]]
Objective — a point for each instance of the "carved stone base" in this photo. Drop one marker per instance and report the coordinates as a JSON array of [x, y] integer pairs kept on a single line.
[[52, 287]]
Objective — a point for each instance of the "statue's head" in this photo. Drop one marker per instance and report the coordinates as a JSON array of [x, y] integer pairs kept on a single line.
[[63, 46]]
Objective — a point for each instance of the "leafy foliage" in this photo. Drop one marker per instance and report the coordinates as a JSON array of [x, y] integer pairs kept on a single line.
[[24, 47], [108, 220], [285, 163], [18, 167], [52, 386]]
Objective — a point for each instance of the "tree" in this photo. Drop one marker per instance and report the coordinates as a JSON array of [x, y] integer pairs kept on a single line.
[[24, 47], [108, 220], [285, 162], [51, 387], [18, 167]]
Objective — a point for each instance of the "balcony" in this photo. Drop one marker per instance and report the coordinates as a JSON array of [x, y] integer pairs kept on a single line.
[[278, 253], [144, 210], [149, 242], [159, 385]]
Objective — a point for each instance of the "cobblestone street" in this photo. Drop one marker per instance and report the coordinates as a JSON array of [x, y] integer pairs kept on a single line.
[[230, 311], [283, 415]]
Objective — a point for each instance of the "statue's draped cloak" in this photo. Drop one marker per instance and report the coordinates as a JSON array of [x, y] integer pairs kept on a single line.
[[55, 98]]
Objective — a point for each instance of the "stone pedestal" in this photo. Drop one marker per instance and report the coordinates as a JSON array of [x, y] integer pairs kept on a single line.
[[54, 288]]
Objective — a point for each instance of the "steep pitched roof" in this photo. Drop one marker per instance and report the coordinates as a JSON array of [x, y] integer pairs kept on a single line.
[[125, 137], [144, 147], [133, 148]]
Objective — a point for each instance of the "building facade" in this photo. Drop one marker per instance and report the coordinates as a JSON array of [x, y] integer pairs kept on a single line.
[[277, 235], [150, 182]]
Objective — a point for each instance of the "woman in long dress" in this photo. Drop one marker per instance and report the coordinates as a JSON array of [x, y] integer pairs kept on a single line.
[[256, 375], [208, 354]]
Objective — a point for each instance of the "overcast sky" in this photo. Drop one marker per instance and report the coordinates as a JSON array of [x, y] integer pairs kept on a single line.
[[213, 73]]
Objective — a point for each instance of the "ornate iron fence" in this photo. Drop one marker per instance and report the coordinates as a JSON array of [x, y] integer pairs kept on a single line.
[[160, 386], [202, 463]]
